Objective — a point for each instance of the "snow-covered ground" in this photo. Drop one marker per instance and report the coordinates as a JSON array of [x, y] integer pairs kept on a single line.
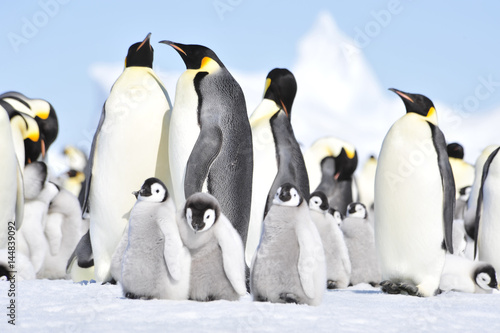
[[64, 306]]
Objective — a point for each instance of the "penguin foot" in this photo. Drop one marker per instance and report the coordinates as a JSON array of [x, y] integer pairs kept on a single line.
[[210, 298], [112, 281], [259, 298], [408, 289], [131, 296], [330, 284], [389, 287], [289, 298]]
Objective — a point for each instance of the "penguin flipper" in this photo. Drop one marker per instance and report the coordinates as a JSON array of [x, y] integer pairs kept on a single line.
[[233, 256], [206, 149], [175, 253], [90, 163], [83, 253], [307, 259], [448, 184], [479, 205], [19, 198]]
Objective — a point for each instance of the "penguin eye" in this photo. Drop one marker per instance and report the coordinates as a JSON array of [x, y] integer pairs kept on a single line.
[[157, 191]]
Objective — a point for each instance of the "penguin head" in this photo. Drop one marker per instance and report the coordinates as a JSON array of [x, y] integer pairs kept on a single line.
[[318, 202], [196, 57], [485, 277], [345, 164], [202, 210], [337, 215], [357, 209], [455, 150], [153, 190], [419, 104], [281, 87], [465, 193], [140, 54], [287, 195]]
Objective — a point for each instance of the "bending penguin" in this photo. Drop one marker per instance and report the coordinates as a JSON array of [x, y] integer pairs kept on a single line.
[[411, 242], [218, 263], [277, 155], [155, 263], [487, 247], [289, 265], [330, 165], [130, 145], [210, 142], [338, 264]]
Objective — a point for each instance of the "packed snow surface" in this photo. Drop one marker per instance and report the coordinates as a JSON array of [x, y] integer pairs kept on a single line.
[[64, 306]]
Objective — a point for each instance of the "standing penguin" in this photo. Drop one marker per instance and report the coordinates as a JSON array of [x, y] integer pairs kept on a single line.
[[277, 155], [155, 263], [466, 275], [463, 172], [130, 144], [487, 211], [218, 263], [414, 201], [289, 265], [210, 141], [330, 165], [338, 264], [360, 240], [366, 184], [11, 183], [471, 211]]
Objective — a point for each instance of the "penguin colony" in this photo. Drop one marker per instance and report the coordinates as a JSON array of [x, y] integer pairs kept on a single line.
[[197, 200]]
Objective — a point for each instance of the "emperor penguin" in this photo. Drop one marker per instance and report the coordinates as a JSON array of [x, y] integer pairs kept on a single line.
[[360, 240], [155, 263], [217, 258], [331, 163], [44, 115], [210, 142], [366, 184], [487, 209], [338, 264], [23, 270], [276, 153], [11, 182], [129, 145], [469, 276], [289, 265], [463, 244], [461, 203], [414, 201], [38, 193], [63, 230], [471, 211], [463, 172]]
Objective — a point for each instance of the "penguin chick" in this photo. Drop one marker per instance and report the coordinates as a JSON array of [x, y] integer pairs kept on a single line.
[[38, 195], [155, 263], [338, 264], [218, 262], [465, 275], [360, 240], [289, 265]]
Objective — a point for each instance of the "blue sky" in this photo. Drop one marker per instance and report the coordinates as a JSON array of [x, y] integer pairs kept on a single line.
[[444, 49]]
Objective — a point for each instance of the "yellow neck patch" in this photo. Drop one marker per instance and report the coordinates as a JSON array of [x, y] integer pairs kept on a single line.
[[350, 153], [268, 83], [431, 112]]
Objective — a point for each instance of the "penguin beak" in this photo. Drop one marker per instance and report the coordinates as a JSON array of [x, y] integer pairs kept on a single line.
[[175, 46], [284, 107], [402, 94], [146, 40], [42, 143], [136, 193]]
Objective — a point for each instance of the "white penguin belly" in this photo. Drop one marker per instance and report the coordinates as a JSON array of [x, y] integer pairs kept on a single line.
[[409, 205], [127, 152], [183, 132]]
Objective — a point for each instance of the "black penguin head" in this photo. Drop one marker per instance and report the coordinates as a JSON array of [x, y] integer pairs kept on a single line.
[[318, 202], [140, 54], [485, 277], [281, 87], [416, 103], [337, 215], [357, 209], [288, 195], [465, 193], [153, 190], [345, 164], [194, 56], [201, 211], [5, 274], [455, 150]]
